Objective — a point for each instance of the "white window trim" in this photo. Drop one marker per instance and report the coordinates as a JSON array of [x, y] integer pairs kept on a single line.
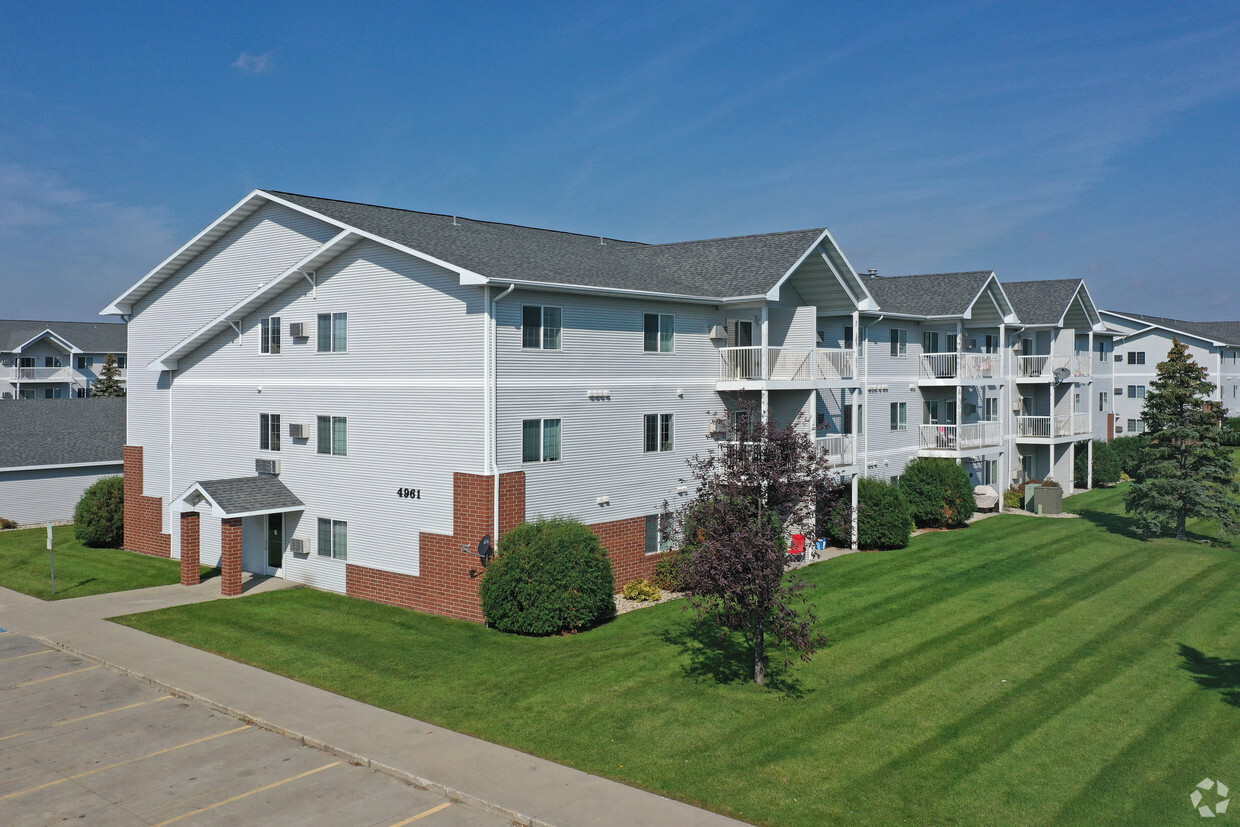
[[332, 332], [542, 427], [542, 335], [331, 435], [273, 324], [658, 433], [659, 334]]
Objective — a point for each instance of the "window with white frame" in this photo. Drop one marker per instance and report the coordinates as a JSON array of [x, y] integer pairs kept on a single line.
[[269, 335], [992, 343], [333, 539], [990, 472], [990, 410], [847, 341], [1102, 401], [122, 362], [540, 327], [659, 432], [658, 333], [269, 432], [899, 416], [1136, 357], [899, 342], [333, 435], [540, 440], [1136, 426], [658, 537], [1136, 391], [85, 362], [333, 332]]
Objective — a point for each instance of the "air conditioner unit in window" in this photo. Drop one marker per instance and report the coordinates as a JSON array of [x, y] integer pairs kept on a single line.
[[1119, 391], [718, 332], [1119, 357], [267, 466], [298, 431], [718, 427], [297, 546], [297, 330]]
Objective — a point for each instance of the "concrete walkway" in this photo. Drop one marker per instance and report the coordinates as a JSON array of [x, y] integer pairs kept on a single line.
[[503, 781]]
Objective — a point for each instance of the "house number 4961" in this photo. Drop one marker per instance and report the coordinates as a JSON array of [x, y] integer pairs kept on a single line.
[[409, 493]]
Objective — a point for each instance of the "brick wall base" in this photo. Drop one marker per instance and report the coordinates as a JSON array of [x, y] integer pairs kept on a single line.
[[144, 516], [191, 574], [625, 541]]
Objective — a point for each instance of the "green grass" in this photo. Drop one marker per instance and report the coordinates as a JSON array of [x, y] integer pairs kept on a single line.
[[1021, 671], [25, 566]]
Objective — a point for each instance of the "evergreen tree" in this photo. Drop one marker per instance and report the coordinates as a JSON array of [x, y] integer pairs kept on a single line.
[[110, 383], [1186, 471]]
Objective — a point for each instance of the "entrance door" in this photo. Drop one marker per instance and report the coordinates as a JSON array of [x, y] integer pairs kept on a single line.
[[275, 540]]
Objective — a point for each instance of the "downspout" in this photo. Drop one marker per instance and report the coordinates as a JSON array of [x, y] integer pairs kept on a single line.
[[1005, 411], [493, 405]]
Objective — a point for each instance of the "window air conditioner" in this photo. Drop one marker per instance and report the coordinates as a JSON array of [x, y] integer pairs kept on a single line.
[[718, 332], [297, 545], [1119, 357], [267, 466], [297, 430], [297, 330], [718, 427]]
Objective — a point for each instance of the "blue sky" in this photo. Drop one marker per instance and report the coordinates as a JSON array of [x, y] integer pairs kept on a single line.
[[1042, 140]]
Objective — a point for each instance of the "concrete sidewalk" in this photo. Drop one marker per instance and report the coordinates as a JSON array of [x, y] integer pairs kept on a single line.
[[503, 781]]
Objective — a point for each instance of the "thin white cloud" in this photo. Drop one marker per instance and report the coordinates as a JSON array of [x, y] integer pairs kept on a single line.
[[253, 64]]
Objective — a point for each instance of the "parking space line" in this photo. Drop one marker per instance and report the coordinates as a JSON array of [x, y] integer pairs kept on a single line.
[[423, 814], [28, 655], [121, 763], [85, 717], [270, 786], [57, 677]]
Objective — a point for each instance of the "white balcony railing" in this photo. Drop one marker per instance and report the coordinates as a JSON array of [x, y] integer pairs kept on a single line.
[[1052, 426], [960, 365], [961, 437], [837, 448], [1044, 367], [62, 374], [789, 364]]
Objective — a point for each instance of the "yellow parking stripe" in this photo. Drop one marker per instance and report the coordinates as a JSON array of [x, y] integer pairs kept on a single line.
[[28, 655], [246, 795], [120, 763], [431, 811], [85, 717], [58, 677]]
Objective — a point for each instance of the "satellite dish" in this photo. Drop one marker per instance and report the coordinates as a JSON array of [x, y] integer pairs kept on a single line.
[[484, 549], [1061, 374]]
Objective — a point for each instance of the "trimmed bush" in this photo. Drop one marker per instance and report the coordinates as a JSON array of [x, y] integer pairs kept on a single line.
[[642, 590], [99, 519], [6, 524], [671, 572], [939, 493], [1129, 449], [548, 577], [1106, 465], [1014, 498], [883, 520]]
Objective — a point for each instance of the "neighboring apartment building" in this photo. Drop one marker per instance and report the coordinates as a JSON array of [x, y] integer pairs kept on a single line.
[[1144, 341], [56, 360], [353, 397], [51, 452]]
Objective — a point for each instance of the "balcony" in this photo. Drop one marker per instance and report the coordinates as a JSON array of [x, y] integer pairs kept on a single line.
[[62, 374], [1043, 368], [839, 449], [967, 437], [1052, 427], [809, 366], [958, 368]]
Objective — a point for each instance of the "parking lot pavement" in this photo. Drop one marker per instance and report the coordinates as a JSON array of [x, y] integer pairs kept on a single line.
[[80, 742]]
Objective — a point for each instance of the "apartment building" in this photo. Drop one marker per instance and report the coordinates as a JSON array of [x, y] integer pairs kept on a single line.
[[354, 397], [56, 360], [1144, 341]]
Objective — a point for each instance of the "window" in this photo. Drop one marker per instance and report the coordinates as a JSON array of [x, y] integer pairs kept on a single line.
[[1136, 391], [659, 333], [540, 440], [269, 335], [848, 336], [333, 433], [26, 393], [540, 327], [333, 539], [952, 341], [333, 332], [895, 479], [658, 432], [82, 393], [1102, 401], [991, 409], [122, 362], [992, 343], [1136, 358], [51, 362], [992, 472], [658, 538], [899, 416], [930, 341], [85, 362], [1077, 402], [1136, 426], [1119, 357], [269, 432], [1101, 346], [899, 342], [847, 427]]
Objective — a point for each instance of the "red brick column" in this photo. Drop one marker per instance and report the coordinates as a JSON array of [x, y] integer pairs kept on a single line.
[[230, 551], [191, 575], [144, 516]]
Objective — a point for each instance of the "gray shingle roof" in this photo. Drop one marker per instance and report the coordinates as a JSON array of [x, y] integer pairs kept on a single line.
[[90, 337], [244, 495], [61, 431], [929, 294], [1226, 332], [713, 268], [1041, 302]]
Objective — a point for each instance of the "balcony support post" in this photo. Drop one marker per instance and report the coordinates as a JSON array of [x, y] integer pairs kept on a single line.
[[854, 511]]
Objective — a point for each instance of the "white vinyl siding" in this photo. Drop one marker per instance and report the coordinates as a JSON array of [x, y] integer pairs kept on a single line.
[[49, 494]]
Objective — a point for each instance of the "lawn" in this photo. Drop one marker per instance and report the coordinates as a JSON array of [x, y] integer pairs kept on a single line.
[[1021, 671], [25, 566]]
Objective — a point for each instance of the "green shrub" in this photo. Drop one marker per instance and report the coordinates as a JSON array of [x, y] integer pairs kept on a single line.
[[671, 572], [1231, 431], [548, 577], [642, 590], [1014, 498], [99, 519], [939, 493], [883, 520], [1129, 449], [6, 524], [1106, 465]]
